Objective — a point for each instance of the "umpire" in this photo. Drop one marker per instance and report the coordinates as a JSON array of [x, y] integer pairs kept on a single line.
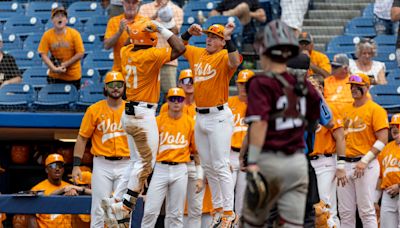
[[279, 108]]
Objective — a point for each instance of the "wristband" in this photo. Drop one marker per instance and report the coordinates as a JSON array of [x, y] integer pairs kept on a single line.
[[186, 35], [379, 145], [368, 157], [200, 172], [77, 161], [164, 32], [254, 153], [340, 164], [230, 46]]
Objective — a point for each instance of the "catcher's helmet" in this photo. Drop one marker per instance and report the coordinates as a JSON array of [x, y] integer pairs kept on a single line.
[[139, 35], [257, 190], [280, 40]]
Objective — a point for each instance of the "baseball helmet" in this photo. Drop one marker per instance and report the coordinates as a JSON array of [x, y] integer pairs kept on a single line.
[[256, 191], [139, 35], [395, 119], [54, 158], [176, 92], [280, 40], [216, 29], [245, 75], [20, 154], [186, 73]]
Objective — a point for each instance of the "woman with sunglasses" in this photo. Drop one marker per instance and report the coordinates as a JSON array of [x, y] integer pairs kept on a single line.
[[366, 49]]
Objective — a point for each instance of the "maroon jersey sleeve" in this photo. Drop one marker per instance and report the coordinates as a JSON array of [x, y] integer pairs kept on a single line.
[[259, 100]]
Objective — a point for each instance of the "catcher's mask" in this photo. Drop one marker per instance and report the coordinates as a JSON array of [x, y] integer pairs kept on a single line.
[[257, 190]]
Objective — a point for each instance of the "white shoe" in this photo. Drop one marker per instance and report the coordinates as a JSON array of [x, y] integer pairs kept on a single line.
[[229, 221]]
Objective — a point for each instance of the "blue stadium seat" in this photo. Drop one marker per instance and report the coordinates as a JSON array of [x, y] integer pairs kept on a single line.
[[342, 44], [89, 76], [11, 41], [23, 25], [360, 26], [99, 60], [10, 9], [41, 9], [91, 42], [385, 57], [387, 90], [194, 7], [32, 42], [26, 58], [96, 25], [394, 75], [386, 43], [72, 22], [89, 95], [198, 41], [223, 20], [16, 96], [368, 11], [388, 101], [35, 76], [182, 65], [56, 97], [391, 65], [188, 20], [84, 10]]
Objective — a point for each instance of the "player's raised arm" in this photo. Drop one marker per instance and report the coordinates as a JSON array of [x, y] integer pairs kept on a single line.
[[234, 57]]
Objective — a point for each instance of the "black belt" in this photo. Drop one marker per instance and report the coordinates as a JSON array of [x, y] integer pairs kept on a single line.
[[315, 157], [208, 110], [235, 149], [138, 103], [113, 158], [191, 157], [350, 159], [170, 163]]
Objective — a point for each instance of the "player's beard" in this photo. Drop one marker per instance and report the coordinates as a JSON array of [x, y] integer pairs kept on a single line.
[[116, 97]]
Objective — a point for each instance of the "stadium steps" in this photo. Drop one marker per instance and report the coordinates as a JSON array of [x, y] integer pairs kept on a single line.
[[339, 6], [325, 22], [333, 14]]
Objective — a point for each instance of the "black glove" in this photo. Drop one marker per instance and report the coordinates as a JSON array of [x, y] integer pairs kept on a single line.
[[257, 190]]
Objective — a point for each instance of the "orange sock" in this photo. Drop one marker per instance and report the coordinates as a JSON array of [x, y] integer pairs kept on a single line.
[[219, 209], [228, 212]]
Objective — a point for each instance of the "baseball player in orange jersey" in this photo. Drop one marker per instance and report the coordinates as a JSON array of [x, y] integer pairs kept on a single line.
[[366, 133], [141, 64], [170, 175], [213, 67], [102, 124], [390, 178], [238, 105]]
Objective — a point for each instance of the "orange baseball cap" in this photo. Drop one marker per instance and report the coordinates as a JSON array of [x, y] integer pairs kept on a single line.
[[52, 158], [216, 29], [186, 73], [140, 36], [176, 92], [59, 9], [359, 79], [86, 178], [395, 119], [244, 75], [113, 76]]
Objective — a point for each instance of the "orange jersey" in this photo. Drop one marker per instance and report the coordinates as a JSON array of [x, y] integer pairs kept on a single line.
[[324, 142], [389, 159], [189, 110], [337, 92], [63, 47], [103, 125], [360, 125], [176, 138], [211, 76], [238, 108], [111, 30], [52, 220], [321, 60], [141, 70]]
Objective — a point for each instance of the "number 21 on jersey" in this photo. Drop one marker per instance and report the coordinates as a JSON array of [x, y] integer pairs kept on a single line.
[[131, 72], [282, 123]]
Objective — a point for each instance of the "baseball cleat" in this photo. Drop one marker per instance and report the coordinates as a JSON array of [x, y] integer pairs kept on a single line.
[[216, 221], [229, 221], [120, 215], [108, 213]]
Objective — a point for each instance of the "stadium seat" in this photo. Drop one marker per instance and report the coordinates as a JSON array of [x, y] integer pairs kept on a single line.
[[368, 11], [195, 7], [188, 20], [56, 97], [360, 26], [11, 42], [388, 102], [182, 65], [72, 22], [385, 57], [23, 25], [41, 9], [342, 44], [99, 60], [96, 25], [84, 10], [223, 20], [16, 97], [391, 65], [35, 76], [91, 42], [90, 76], [394, 75], [386, 43], [388, 90], [26, 58], [89, 95], [32, 42], [10, 9], [198, 41]]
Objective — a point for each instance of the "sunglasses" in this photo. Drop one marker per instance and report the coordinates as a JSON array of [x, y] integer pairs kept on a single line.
[[176, 99], [355, 78], [187, 81], [112, 85], [367, 40], [56, 165]]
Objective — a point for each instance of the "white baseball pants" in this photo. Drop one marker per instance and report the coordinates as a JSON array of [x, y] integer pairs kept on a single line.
[[390, 213], [325, 169], [194, 200], [168, 182], [239, 180], [359, 193], [143, 145], [213, 132], [106, 175]]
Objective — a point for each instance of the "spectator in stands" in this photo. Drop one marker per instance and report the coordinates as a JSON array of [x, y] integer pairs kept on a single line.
[[9, 72], [115, 8], [66, 48], [336, 90], [54, 185], [171, 16], [395, 16], [366, 49], [382, 22], [319, 61], [116, 35], [293, 13]]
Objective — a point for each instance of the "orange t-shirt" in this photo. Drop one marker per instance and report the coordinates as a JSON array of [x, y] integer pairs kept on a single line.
[[360, 125], [324, 142], [321, 60], [211, 76], [141, 69], [176, 138], [337, 92], [63, 47], [238, 108], [52, 220], [103, 125], [389, 159], [187, 109], [111, 30]]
